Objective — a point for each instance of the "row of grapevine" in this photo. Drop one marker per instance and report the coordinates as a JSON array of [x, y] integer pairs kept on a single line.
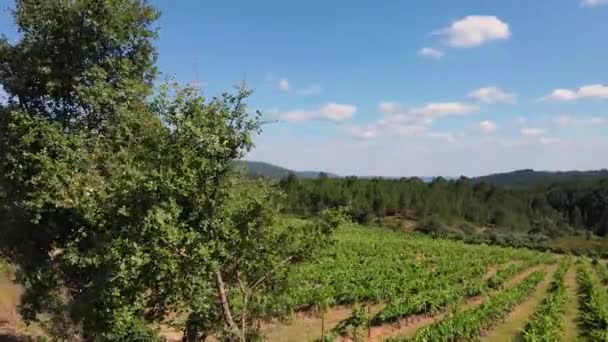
[[498, 280], [469, 324], [546, 323], [602, 271], [424, 302], [368, 265], [593, 303], [438, 297]]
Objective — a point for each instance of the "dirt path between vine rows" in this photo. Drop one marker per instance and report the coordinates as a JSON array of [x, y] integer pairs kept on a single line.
[[571, 309], [408, 326], [510, 328], [492, 270], [307, 327]]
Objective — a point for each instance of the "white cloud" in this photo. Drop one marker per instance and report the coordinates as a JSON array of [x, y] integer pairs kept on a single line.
[[593, 3], [493, 95], [313, 89], [430, 53], [332, 111], [284, 84], [533, 132], [441, 109], [561, 95], [475, 30], [487, 126], [338, 112], [536, 136], [411, 122], [421, 116], [593, 91], [571, 121]]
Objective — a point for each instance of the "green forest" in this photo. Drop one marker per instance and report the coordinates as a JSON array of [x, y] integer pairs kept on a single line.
[[462, 207]]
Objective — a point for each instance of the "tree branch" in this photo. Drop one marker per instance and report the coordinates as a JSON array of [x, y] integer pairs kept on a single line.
[[257, 283], [221, 292]]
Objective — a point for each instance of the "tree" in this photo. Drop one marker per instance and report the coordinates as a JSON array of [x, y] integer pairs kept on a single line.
[[80, 63], [76, 82], [323, 300], [577, 218], [119, 210], [256, 256]]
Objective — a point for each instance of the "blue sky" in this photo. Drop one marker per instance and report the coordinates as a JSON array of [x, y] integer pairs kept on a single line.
[[403, 88]]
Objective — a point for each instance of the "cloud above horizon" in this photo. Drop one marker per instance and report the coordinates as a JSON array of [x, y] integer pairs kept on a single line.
[[411, 121], [283, 85], [593, 91], [334, 112], [488, 126], [432, 53], [593, 3], [474, 30], [490, 95]]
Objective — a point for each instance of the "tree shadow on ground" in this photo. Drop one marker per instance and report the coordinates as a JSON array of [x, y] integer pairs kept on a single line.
[[15, 338]]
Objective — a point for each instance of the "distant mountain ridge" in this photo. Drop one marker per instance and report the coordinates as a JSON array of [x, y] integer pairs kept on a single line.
[[528, 177], [263, 169], [513, 179]]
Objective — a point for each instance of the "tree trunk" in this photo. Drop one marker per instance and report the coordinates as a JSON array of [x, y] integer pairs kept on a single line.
[[323, 326], [191, 333], [192, 329], [244, 318], [369, 323], [221, 293]]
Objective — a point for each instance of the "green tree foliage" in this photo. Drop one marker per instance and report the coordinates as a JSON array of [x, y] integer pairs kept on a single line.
[[583, 204], [539, 212], [76, 82], [437, 203], [80, 62], [121, 211]]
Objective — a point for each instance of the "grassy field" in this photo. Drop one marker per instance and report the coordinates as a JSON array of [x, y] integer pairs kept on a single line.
[[583, 243]]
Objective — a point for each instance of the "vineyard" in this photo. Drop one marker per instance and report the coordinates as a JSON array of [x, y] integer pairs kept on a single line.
[[378, 285]]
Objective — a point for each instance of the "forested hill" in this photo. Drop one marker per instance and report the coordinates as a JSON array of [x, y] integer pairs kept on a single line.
[[531, 178], [459, 206], [262, 169], [515, 179]]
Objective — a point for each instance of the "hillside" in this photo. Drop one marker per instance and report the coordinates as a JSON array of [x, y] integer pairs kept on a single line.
[[514, 179], [267, 170], [531, 178]]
